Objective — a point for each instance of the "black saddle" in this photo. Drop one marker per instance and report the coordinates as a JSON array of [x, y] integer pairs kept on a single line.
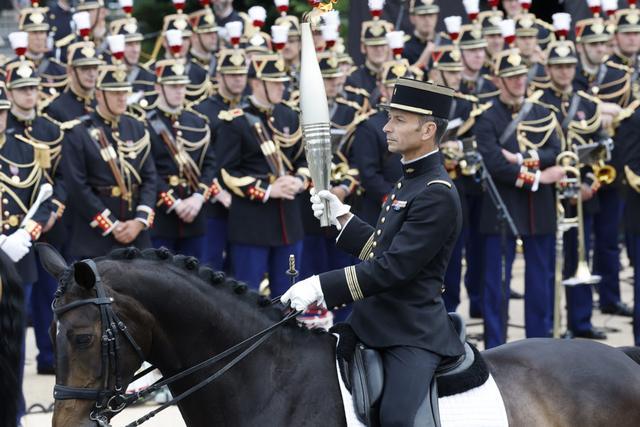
[[366, 380]]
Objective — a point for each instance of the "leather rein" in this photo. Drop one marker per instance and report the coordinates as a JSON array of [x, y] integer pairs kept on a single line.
[[110, 401]]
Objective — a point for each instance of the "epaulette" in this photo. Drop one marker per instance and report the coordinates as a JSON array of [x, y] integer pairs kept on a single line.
[[591, 98], [348, 103], [618, 66], [51, 119], [139, 118], [65, 40], [42, 152], [481, 108], [466, 97], [363, 117], [547, 106], [357, 91], [439, 181], [73, 123], [535, 96], [44, 102], [229, 115]]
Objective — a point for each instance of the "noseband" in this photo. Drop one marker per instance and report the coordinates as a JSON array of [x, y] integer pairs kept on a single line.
[[112, 328]]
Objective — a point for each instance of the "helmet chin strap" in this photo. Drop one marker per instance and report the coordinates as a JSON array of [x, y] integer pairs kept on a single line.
[[506, 89], [166, 100], [444, 79], [75, 73], [106, 104], [266, 93]]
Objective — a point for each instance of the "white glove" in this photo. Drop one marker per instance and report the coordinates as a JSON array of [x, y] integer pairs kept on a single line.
[[336, 207], [16, 245], [304, 293]]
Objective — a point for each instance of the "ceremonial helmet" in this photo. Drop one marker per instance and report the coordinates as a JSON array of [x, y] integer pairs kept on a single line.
[[33, 19], [171, 72], [391, 71], [113, 77], [89, 5], [446, 58], [291, 22], [627, 21], [82, 54], [508, 63], [5, 104], [592, 30], [232, 61], [329, 64], [177, 21], [21, 74], [471, 37], [490, 22], [423, 7], [203, 21], [374, 33], [128, 27], [269, 68], [561, 52]]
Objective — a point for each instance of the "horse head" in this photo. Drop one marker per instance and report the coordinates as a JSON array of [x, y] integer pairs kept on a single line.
[[97, 353]]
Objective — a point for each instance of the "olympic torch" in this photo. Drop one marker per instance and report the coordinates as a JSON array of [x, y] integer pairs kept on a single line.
[[316, 127]]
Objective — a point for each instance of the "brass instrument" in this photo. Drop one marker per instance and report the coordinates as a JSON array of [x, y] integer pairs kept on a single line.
[[605, 174], [568, 192], [464, 156]]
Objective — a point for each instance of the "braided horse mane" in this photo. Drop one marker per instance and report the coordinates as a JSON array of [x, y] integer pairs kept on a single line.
[[11, 332]]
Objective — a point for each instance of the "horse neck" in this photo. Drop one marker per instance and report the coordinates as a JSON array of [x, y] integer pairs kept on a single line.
[[293, 367]]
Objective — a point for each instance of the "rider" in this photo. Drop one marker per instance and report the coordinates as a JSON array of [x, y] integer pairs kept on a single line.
[[397, 288]]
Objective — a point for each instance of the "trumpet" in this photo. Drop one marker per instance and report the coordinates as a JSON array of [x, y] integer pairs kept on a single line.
[[567, 193], [605, 174]]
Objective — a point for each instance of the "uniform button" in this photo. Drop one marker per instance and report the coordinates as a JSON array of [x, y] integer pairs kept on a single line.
[[6, 226], [375, 244], [382, 220], [179, 133], [6, 213], [378, 232], [387, 208], [5, 201], [393, 197], [371, 255], [399, 185]]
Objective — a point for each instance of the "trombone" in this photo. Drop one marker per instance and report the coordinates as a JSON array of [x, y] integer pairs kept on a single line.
[[567, 193]]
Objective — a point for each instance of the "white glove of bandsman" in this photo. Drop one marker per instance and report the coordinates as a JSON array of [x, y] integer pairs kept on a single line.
[[16, 245]]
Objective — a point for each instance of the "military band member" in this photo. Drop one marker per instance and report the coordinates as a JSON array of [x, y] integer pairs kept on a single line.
[[627, 43], [527, 42], [489, 21], [22, 169], [319, 252], [26, 125], [373, 44], [261, 161], [97, 19], [204, 39], [60, 17], [34, 22], [611, 84], [446, 69], [518, 141], [578, 114], [423, 15], [141, 77], [78, 98], [231, 76], [512, 8], [225, 12], [200, 84], [291, 55], [184, 159], [397, 290], [475, 76], [109, 172]]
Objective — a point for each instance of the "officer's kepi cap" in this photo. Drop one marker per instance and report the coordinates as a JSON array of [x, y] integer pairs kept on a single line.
[[424, 98]]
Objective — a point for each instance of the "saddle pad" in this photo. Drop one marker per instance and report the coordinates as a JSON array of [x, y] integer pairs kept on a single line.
[[479, 407]]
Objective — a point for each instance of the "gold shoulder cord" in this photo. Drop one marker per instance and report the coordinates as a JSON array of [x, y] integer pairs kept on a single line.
[[282, 138], [536, 126], [132, 151]]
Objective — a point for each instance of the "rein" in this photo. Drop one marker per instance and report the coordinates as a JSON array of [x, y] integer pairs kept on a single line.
[[111, 401]]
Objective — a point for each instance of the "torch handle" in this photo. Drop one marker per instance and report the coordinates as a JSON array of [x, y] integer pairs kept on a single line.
[[325, 218]]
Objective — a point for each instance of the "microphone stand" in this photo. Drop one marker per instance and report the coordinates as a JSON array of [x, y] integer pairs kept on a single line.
[[504, 220]]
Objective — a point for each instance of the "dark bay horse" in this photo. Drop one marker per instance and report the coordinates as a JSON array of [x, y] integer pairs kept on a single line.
[[180, 314]]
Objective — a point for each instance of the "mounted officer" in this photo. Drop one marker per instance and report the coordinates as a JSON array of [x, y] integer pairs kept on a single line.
[[397, 289], [109, 172]]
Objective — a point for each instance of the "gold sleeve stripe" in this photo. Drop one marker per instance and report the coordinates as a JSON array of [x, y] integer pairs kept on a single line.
[[366, 248], [352, 283]]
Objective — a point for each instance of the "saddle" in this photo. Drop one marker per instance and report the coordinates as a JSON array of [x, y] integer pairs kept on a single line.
[[363, 374]]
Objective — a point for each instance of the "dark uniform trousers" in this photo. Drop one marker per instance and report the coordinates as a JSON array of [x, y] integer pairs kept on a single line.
[[216, 235], [397, 289], [533, 214]]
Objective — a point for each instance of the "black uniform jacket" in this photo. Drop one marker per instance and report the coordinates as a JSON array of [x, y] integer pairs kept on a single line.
[[398, 286], [628, 131], [379, 169], [69, 106], [96, 200], [20, 178], [190, 131], [247, 175], [533, 212]]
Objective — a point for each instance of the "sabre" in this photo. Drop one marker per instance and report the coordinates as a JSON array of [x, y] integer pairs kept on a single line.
[[46, 191], [316, 126]]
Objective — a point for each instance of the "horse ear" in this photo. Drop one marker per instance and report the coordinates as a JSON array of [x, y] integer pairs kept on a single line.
[[51, 259], [84, 275]]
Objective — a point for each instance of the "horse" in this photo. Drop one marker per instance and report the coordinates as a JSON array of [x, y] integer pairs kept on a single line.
[[174, 313], [11, 332]]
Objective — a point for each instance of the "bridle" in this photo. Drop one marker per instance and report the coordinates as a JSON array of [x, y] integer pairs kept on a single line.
[[109, 401], [110, 347]]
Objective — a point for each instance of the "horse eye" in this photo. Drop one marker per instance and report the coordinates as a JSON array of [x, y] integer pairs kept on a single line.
[[83, 340]]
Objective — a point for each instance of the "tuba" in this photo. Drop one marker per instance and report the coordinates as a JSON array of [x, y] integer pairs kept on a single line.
[[568, 193]]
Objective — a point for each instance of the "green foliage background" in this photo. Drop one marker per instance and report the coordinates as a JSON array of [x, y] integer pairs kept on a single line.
[[150, 13]]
